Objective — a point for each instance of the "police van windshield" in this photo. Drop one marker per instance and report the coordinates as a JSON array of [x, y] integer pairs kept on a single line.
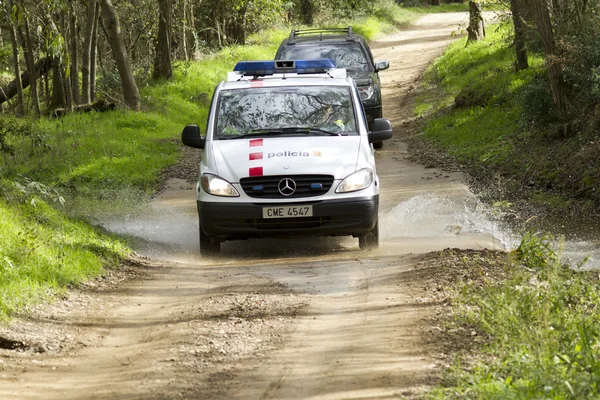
[[347, 55], [304, 110]]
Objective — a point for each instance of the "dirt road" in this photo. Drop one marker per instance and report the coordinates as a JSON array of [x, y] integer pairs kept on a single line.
[[271, 319]]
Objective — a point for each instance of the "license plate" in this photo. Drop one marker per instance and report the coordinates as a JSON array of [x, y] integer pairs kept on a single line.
[[287, 212]]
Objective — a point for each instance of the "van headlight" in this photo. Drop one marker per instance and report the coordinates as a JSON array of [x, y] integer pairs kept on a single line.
[[359, 180], [216, 186]]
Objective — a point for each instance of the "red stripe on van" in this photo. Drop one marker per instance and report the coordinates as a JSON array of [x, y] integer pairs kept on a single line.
[[256, 171], [256, 156]]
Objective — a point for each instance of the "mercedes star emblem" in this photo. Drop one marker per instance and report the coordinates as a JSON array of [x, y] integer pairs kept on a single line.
[[287, 187]]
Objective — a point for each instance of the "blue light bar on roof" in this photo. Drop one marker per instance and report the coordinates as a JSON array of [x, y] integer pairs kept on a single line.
[[262, 68], [257, 68]]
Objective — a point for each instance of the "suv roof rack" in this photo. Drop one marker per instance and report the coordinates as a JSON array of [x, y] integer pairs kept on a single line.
[[320, 31]]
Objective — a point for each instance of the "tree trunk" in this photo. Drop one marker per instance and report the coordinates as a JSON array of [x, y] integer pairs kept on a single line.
[[113, 31], [22, 80], [33, 76], [192, 25], [17, 67], [476, 28], [64, 78], [74, 73], [162, 60], [58, 98], [555, 73], [521, 52], [184, 31], [435, 2], [86, 52], [94, 53]]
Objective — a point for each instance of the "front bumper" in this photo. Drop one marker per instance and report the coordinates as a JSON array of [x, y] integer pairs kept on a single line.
[[231, 221]]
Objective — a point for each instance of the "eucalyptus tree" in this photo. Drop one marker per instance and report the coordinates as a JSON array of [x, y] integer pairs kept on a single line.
[[10, 18], [88, 50], [28, 52], [516, 7], [74, 54], [162, 58], [120, 56], [545, 31]]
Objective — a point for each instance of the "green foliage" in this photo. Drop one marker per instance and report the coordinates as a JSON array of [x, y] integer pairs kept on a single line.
[[11, 126], [227, 22], [541, 325], [578, 42], [503, 124]]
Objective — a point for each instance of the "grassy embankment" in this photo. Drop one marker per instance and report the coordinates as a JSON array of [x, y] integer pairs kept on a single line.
[[494, 121], [101, 162], [535, 333]]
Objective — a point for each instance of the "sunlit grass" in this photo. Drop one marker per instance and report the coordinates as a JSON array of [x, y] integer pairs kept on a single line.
[[541, 331], [42, 252], [476, 90]]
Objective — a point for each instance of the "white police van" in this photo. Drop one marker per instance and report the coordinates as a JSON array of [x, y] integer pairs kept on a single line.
[[287, 152]]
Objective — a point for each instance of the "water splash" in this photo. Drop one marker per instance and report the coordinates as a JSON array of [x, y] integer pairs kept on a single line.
[[429, 216]]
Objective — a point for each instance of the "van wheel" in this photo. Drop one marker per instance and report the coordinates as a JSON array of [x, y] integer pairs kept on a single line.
[[207, 246], [378, 145], [370, 240]]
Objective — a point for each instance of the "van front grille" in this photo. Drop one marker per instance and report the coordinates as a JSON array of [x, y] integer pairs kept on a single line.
[[268, 187]]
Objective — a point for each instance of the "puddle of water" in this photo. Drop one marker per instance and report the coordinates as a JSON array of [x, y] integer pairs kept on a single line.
[[421, 223]]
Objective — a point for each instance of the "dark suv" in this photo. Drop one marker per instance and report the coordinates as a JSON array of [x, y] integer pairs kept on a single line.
[[348, 50]]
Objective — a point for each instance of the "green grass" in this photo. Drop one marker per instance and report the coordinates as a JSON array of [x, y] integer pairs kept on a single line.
[[472, 99], [42, 251], [541, 329]]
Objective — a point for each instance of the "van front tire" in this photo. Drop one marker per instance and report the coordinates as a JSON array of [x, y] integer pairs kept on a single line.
[[370, 241], [207, 246]]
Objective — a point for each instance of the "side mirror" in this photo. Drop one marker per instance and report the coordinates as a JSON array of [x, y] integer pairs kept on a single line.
[[191, 137], [381, 65], [382, 130]]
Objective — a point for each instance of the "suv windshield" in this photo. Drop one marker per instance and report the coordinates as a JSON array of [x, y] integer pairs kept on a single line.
[[305, 110], [347, 55]]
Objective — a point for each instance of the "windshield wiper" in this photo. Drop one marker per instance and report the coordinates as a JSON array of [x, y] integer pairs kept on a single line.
[[313, 129], [282, 132], [257, 132]]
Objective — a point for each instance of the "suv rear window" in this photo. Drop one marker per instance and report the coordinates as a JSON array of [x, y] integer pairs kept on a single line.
[[298, 109], [349, 55]]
